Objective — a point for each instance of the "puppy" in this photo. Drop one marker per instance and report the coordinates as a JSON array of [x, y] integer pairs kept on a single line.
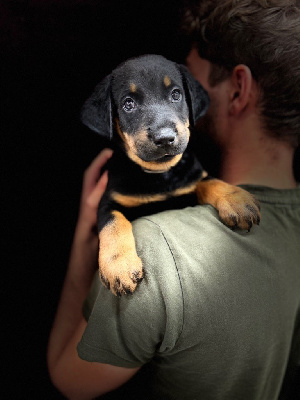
[[146, 107]]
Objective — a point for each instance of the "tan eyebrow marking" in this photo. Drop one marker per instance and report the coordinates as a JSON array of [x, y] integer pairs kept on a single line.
[[167, 81], [133, 87]]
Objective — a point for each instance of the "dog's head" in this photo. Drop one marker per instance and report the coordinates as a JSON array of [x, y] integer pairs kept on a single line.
[[149, 102]]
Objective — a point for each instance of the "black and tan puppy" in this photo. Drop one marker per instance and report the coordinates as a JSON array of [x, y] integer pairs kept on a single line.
[[146, 106]]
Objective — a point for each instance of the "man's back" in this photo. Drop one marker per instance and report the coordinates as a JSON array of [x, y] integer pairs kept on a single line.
[[218, 309]]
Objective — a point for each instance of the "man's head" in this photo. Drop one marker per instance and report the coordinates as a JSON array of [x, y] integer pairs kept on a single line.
[[263, 35]]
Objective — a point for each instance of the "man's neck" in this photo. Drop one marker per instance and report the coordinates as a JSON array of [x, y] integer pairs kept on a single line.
[[268, 163]]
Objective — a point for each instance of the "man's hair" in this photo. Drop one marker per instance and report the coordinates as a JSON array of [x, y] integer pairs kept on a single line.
[[265, 36]]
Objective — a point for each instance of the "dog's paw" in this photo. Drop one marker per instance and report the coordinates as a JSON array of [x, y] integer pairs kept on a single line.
[[121, 272], [239, 209]]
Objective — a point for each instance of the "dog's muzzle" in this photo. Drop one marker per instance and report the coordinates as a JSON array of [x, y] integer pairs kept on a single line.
[[162, 145]]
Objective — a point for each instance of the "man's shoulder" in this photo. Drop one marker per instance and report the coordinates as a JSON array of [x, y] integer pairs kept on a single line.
[[172, 220], [204, 220], [179, 228], [194, 239], [179, 243]]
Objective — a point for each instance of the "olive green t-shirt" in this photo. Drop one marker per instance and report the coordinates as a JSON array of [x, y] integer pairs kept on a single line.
[[218, 312]]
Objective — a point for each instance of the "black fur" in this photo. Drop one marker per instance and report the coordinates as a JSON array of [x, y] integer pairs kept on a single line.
[[100, 110], [146, 107]]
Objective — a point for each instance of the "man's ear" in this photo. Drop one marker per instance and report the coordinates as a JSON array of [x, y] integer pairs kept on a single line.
[[241, 89], [196, 95], [96, 112]]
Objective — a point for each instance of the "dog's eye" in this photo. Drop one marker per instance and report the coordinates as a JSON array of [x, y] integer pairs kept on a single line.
[[129, 105], [176, 95]]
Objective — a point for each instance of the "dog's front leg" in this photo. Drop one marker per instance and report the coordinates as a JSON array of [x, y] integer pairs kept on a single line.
[[237, 207], [120, 267]]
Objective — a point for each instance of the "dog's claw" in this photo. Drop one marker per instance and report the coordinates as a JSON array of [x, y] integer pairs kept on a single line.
[[239, 209], [118, 275]]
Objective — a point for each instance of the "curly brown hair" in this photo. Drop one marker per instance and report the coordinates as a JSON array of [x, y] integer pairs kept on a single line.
[[265, 36]]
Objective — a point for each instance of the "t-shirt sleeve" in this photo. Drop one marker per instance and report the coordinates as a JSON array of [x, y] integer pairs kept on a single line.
[[128, 331]]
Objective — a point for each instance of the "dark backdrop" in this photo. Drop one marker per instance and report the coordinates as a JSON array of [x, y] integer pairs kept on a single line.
[[52, 53]]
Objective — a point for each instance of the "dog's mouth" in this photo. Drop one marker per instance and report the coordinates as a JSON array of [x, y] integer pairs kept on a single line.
[[161, 165], [156, 164], [160, 158], [160, 155], [165, 158]]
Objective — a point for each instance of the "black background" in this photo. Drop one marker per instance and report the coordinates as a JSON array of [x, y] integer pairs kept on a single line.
[[52, 54]]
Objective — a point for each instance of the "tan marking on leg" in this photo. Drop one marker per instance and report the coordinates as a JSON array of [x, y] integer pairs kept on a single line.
[[120, 267], [167, 81], [236, 206]]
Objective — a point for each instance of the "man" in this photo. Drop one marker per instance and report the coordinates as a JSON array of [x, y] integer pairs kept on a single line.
[[218, 313]]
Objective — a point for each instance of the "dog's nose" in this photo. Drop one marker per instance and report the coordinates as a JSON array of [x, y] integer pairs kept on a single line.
[[164, 137]]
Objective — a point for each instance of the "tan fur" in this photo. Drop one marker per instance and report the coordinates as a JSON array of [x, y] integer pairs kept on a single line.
[[185, 190], [236, 206], [183, 129], [167, 81], [119, 263], [135, 201], [133, 87], [138, 200], [153, 166]]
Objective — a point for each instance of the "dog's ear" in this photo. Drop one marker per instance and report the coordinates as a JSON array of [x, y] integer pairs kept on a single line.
[[197, 97], [96, 112]]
